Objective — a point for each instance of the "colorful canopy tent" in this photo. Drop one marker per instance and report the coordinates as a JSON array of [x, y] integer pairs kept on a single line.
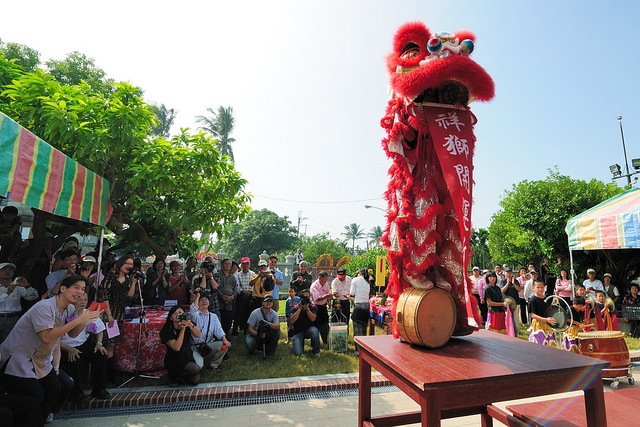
[[613, 224], [35, 174]]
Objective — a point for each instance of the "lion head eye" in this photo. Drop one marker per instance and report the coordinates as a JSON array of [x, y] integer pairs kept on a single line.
[[410, 50]]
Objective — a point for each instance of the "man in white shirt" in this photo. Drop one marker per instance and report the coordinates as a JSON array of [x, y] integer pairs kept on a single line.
[[243, 302], [341, 288], [592, 284]]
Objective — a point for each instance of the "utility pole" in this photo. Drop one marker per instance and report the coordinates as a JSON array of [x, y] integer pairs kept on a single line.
[[300, 219]]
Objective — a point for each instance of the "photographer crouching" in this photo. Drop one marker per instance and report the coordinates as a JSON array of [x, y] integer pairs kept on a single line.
[[264, 329], [207, 352]]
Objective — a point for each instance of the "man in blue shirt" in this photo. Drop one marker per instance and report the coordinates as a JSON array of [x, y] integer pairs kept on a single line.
[[279, 279]]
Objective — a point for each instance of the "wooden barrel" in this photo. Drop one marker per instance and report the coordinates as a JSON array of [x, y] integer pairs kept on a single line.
[[426, 318], [606, 345]]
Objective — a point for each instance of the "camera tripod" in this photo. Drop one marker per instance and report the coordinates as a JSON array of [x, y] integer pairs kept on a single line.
[[142, 324]]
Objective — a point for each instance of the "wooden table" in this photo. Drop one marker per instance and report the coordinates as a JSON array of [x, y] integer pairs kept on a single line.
[[470, 373]]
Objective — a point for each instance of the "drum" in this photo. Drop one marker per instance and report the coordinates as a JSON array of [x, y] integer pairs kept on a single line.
[[426, 317], [609, 346]]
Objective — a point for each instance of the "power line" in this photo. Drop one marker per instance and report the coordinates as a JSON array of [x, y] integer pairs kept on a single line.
[[321, 202]]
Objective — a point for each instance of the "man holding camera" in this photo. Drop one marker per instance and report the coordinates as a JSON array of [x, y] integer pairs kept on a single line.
[[320, 295], [261, 285], [206, 351], [226, 293], [278, 279], [203, 283], [303, 315], [243, 301], [301, 279], [264, 329]]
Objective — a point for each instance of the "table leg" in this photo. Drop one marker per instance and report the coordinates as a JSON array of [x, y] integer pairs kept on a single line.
[[364, 391], [594, 404], [430, 409]]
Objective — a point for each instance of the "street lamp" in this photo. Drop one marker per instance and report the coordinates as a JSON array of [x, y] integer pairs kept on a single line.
[[380, 209], [616, 171]]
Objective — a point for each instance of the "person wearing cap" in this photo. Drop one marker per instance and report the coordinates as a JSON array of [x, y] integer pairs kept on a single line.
[[592, 284], [68, 268], [258, 292], [31, 350], [341, 289], [303, 316], [243, 301], [279, 280], [226, 293], [320, 295], [359, 294], [263, 327], [301, 279], [210, 328], [611, 290], [178, 288], [11, 290]]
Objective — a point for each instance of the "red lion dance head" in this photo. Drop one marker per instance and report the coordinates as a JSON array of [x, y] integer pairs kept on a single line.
[[430, 141]]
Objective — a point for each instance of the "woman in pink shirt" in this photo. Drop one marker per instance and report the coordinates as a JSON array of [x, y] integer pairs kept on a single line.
[[564, 287]]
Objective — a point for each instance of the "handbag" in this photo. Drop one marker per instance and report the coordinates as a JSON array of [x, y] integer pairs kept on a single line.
[[203, 348]]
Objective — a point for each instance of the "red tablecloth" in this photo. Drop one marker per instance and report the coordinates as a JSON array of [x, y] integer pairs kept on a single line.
[[377, 311], [152, 351]]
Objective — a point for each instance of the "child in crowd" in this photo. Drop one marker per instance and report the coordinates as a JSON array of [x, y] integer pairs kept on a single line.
[[291, 301], [540, 331], [569, 339], [604, 319]]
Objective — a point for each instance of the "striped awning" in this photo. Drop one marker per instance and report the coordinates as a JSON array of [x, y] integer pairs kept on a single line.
[[35, 174], [613, 224]]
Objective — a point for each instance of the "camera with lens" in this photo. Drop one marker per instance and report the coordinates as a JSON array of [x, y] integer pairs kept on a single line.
[[209, 266], [184, 316], [263, 327], [304, 300], [135, 273], [80, 267]]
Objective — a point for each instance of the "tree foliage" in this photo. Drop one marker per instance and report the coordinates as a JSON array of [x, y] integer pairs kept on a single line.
[[76, 68], [220, 124], [353, 232], [366, 260], [261, 230], [314, 246], [480, 247], [22, 55], [534, 214], [374, 236], [161, 189], [165, 118]]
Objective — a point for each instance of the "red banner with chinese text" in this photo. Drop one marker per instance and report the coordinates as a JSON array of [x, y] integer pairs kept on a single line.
[[454, 142]]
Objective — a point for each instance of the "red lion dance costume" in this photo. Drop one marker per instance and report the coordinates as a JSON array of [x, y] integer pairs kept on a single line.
[[431, 143]]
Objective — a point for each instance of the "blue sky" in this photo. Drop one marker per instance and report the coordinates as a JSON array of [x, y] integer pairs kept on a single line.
[[308, 86]]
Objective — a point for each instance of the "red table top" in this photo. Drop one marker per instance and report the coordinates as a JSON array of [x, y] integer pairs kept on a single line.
[[482, 357]]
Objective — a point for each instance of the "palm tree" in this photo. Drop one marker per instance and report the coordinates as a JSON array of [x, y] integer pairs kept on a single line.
[[220, 125], [375, 235], [353, 232], [165, 118]]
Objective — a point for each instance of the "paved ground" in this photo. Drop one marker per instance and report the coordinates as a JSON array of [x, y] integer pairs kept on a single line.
[[312, 412]]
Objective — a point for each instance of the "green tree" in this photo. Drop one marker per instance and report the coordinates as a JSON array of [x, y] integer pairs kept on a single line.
[[77, 67], [314, 246], [220, 124], [480, 247], [374, 236], [261, 230], [165, 118], [533, 216], [160, 189], [23, 55], [367, 260], [353, 232]]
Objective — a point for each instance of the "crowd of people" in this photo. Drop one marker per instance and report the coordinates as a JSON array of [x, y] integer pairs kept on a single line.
[[528, 296], [51, 331]]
